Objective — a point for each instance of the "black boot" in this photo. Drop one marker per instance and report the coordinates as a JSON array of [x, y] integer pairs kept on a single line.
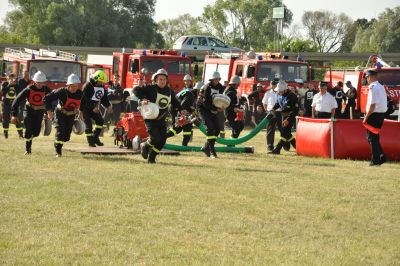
[[5, 134], [293, 142], [145, 149], [28, 147], [277, 149], [90, 140], [20, 133], [152, 157], [58, 147], [286, 146], [96, 137], [211, 144], [206, 149], [186, 139]]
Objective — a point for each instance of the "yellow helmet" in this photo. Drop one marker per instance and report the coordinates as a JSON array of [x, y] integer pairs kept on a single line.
[[100, 76]]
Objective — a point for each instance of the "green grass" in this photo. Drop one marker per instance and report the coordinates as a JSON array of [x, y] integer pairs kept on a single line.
[[240, 209]]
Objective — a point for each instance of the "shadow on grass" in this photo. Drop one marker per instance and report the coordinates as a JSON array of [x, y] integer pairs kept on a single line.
[[111, 158], [184, 165]]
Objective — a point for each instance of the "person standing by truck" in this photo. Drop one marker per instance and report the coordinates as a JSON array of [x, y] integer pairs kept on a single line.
[[324, 104], [208, 112], [308, 98], [351, 96], [373, 120], [339, 95], [163, 96], [10, 90], [94, 94], [34, 109], [234, 110], [69, 99], [116, 97], [269, 102]]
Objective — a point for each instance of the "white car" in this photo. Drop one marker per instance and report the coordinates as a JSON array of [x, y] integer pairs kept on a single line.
[[197, 46]]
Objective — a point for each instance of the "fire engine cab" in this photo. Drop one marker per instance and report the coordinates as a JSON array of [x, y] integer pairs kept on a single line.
[[137, 67], [255, 68], [57, 65]]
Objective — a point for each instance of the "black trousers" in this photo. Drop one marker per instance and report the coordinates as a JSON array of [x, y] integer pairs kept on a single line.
[[211, 122], [98, 119], [187, 133], [157, 130], [221, 122], [323, 115], [375, 120], [286, 132], [33, 123], [307, 111], [346, 113], [271, 127], [338, 111], [63, 125], [237, 126], [6, 106]]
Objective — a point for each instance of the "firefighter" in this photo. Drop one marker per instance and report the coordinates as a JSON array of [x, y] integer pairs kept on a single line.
[[186, 99], [94, 94], [308, 98], [69, 99], [34, 108], [339, 95], [10, 90], [324, 104], [22, 84], [288, 103], [373, 120], [232, 111], [116, 98], [208, 112], [163, 96], [255, 98], [269, 101], [351, 96]]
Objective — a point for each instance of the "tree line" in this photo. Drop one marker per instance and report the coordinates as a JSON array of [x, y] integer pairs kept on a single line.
[[247, 24]]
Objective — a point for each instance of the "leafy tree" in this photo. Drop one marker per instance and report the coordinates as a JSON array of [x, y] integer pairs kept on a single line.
[[383, 35], [326, 29], [84, 23], [247, 24], [298, 45], [172, 29], [350, 36]]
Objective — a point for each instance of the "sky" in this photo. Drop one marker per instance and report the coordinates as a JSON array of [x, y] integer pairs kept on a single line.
[[355, 9]]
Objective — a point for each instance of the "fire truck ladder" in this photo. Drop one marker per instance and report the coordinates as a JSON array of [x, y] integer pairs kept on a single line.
[[27, 53]]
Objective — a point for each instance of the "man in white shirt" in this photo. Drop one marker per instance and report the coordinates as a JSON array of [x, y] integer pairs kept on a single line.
[[323, 104], [373, 120], [269, 101]]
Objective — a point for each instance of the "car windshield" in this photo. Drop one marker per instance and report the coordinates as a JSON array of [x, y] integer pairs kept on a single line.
[[389, 77], [55, 71], [285, 71], [216, 43]]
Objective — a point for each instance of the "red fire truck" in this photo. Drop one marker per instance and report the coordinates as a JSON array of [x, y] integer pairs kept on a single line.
[[256, 68], [141, 64], [389, 77], [57, 65]]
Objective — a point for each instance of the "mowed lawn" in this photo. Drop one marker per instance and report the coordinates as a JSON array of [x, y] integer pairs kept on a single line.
[[239, 209]]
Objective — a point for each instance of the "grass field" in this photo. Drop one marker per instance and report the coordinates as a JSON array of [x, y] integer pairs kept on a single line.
[[239, 209]]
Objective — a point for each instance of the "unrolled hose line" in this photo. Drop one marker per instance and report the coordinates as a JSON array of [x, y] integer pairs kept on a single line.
[[218, 149]]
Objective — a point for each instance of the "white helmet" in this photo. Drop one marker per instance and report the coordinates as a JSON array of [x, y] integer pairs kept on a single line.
[[73, 79], [235, 80], [39, 77], [161, 71], [215, 75], [282, 86], [187, 78], [198, 85]]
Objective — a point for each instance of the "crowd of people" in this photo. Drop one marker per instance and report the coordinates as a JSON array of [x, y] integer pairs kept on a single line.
[[25, 103]]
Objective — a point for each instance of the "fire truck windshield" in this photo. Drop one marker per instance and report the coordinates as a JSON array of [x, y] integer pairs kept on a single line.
[[389, 77], [172, 67], [55, 71], [268, 71]]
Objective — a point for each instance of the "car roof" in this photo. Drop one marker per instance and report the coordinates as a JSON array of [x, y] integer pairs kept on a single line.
[[207, 36]]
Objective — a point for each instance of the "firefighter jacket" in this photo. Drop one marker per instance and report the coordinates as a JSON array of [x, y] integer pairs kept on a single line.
[[163, 97], [34, 97], [205, 97], [187, 100], [288, 104], [22, 83], [10, 92], [235, 103], [115, 94], [68, 103], [93, 96]]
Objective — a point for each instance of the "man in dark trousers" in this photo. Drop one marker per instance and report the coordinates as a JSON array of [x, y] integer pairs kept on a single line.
[[287, 102], [116, 98], [373, 120], [351, 96], [163, 96], [34, 109], [231, 112], [69, 99], [208, 112], [10, 91], [187, 100], [339, 95], [308, 98], [94, 94]]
